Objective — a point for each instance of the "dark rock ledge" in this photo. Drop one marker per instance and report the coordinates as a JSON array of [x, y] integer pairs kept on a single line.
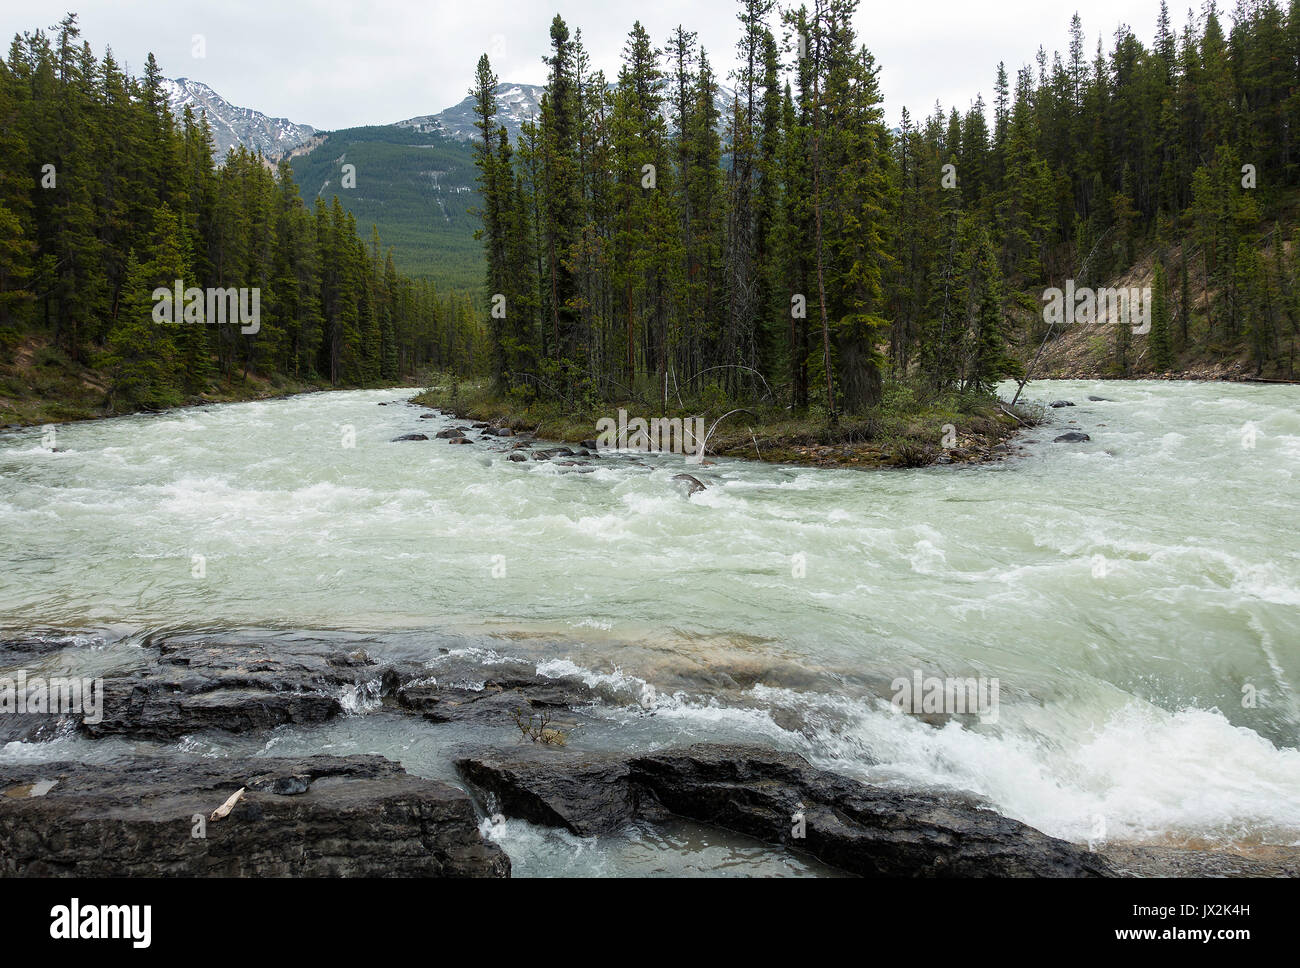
[[190, 688], [858, 828], [318, 816], [454, 689], [176, 689]]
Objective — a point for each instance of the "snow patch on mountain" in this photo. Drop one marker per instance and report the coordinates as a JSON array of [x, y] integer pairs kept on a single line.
[[516, 103]]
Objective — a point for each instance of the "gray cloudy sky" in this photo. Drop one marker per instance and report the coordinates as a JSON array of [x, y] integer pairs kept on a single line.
[[335, 64]]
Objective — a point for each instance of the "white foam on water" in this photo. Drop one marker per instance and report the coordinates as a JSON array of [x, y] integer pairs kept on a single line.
[[988, 569], [1147, 773]]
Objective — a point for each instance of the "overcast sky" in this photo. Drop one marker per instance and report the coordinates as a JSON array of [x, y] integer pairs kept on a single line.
[[336, 64]]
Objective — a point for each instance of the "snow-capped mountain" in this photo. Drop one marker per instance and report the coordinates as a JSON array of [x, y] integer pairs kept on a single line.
[[277, 137], [233, 125], [515, 104]]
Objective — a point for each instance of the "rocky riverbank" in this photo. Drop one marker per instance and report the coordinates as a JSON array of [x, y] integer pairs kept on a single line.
[[159, 813], [778, 798], [316, 816]]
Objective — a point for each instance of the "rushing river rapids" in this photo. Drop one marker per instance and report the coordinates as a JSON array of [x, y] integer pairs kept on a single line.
[[1136, 597]]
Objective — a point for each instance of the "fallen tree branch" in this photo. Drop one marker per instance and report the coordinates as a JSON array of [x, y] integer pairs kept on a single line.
[[229, 805]]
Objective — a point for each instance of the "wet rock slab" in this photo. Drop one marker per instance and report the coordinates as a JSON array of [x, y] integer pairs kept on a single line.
[[463, 690], [858, 828], [35, 656], [190, 688], [24, 650], [1152, 861], [316, 816]]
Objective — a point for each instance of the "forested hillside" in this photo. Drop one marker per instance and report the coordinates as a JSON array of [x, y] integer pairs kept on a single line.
[[834, 255], [419, 187], [640, 245], [105, 198]]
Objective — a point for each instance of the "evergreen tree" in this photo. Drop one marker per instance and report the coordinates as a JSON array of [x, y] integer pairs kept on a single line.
[[1160, 341]]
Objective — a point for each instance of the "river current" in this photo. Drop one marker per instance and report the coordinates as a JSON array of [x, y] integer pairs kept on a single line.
[[1136, 597]]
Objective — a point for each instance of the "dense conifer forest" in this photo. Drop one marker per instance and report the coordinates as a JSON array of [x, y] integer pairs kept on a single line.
[[798, 251], [105, 197], [801, 249]]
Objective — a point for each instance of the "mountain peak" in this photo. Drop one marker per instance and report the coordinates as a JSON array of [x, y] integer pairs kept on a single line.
[[233, 125], [516, 103]]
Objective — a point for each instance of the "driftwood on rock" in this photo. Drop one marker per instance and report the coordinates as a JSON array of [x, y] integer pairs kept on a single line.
[[314, 816], [229, 805]]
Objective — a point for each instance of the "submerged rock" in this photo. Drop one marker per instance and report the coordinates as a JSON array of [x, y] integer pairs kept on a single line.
[[1061, 403], [517, 457], [765, 794], [314, 816], [410, 437], [1132, 860], [1073, 437], [22, 650], [1101, 399], [460, 440], [692, 483]]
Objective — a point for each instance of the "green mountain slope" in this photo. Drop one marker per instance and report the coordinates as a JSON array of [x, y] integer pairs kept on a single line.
[[418, 188]]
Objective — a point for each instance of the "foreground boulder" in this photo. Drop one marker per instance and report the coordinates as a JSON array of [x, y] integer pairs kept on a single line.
[[862, 829], [316, 816]]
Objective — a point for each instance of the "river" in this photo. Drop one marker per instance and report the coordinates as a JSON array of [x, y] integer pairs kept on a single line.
[[1137, 597]]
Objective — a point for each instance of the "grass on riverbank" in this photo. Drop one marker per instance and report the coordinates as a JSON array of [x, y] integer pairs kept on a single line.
[[40, 385], [911, 428]]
